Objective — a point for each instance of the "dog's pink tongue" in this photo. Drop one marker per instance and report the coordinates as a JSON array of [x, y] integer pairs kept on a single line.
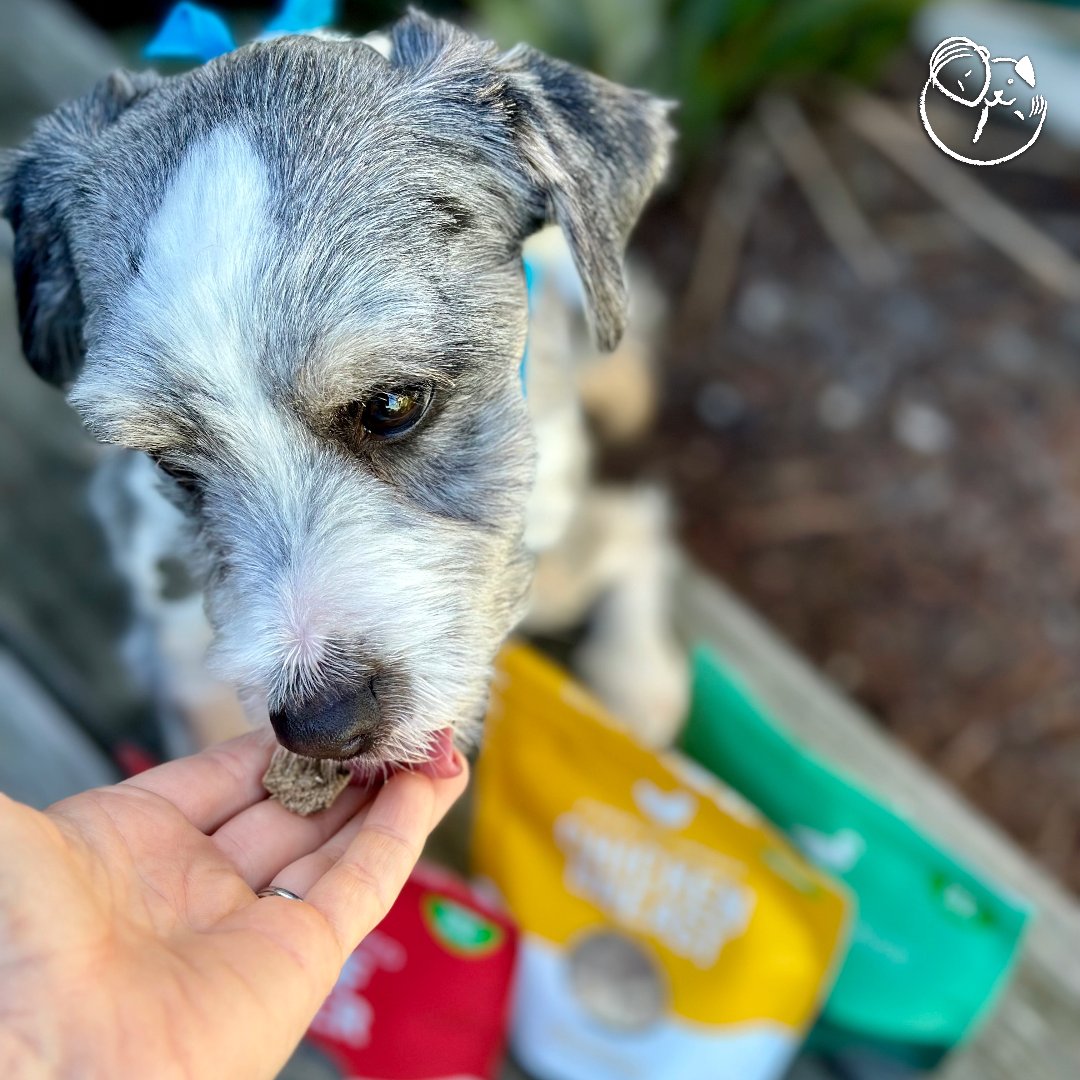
[[442, 762]]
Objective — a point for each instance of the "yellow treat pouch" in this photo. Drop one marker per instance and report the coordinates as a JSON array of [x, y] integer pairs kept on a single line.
[[668, 931]]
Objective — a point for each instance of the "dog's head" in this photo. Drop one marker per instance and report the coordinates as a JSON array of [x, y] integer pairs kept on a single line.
[[293, 277]]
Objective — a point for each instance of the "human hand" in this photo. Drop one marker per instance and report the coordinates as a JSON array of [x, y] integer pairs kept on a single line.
[[131, 939]]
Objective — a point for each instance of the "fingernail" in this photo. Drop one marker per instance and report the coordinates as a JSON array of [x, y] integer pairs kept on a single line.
[[454, 767], [444, 769]]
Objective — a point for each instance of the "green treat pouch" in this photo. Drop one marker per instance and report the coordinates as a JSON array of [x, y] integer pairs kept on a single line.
[[933, 943]]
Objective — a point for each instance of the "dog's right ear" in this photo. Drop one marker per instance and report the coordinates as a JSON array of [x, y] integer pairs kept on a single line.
[[38, 188]]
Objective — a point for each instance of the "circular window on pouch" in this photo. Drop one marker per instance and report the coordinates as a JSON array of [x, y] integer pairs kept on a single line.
[[617, 981]]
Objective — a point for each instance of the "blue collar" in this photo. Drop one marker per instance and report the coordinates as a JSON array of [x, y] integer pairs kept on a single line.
[[532, 283]]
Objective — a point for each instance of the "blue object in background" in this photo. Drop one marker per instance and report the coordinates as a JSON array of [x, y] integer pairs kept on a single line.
[[191, 32], [297, 16]]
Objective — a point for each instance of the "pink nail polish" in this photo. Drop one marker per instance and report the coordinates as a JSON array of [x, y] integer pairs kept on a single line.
[[444, 768]]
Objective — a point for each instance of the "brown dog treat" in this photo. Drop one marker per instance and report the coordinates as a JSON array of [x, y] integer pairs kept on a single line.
[[304, 785]]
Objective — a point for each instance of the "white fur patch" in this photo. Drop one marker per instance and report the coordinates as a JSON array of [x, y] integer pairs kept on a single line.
[[380, 42], [202, 257]]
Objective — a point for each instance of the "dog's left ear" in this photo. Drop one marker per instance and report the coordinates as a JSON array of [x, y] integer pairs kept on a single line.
[[590, 151], [594, 151], [39, 184]]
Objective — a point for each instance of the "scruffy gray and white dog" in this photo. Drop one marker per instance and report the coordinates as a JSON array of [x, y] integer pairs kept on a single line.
[[292, 280]]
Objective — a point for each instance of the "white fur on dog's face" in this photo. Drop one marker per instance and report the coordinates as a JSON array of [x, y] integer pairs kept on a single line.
[[228, 264]]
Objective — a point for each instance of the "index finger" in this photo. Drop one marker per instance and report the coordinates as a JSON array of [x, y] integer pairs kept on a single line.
[[214, 785], [360, 888]]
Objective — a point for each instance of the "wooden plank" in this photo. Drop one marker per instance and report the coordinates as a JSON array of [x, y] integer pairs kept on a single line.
[[1035, 1033], [44, 756]]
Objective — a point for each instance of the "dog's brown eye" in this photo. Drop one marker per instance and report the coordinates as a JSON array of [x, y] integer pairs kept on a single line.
[[391, 413]]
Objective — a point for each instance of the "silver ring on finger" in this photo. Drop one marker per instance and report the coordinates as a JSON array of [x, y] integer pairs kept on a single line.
[[277, 890]]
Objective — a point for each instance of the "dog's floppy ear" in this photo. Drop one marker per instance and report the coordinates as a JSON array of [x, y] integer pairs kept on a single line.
[[595, 152], [38, 184], [591, 151]]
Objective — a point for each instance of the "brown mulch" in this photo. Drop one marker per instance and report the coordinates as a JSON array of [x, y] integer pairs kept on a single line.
[[892, 475]]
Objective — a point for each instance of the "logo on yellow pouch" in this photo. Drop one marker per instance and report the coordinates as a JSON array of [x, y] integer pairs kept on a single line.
[[686, 895]]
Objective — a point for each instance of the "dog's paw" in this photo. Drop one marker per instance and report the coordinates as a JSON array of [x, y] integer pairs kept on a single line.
[[644, 682]]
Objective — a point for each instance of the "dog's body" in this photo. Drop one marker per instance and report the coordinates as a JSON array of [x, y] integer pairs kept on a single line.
[[292, 278], [604, 552]]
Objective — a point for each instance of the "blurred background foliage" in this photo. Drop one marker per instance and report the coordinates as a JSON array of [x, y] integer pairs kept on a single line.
[[712, 56]]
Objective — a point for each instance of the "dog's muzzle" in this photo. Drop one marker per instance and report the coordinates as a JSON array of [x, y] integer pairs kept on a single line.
[[340, 727]]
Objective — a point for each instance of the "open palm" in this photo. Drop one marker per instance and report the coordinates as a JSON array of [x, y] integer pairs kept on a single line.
[[131, 939]]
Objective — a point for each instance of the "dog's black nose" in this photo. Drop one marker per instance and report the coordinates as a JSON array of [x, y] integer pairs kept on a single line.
[[339, 726]]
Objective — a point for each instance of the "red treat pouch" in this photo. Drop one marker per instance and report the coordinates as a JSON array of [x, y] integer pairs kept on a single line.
[[425, 996]]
